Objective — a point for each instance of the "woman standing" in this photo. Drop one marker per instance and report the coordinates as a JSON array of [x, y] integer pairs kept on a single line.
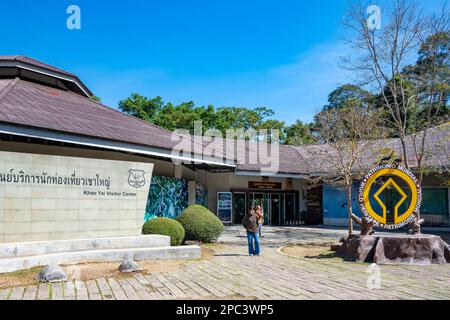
[[250, 223], [260, 215]]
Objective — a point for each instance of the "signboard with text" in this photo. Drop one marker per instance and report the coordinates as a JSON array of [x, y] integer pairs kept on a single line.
[[265, 185], [377, 202], [225, 206], [44, 197]]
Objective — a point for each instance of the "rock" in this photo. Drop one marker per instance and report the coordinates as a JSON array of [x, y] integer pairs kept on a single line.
[[52, 273], [446, 251], [396, 249], [411, 249], [128, 266], [192, 243], [358, 248]]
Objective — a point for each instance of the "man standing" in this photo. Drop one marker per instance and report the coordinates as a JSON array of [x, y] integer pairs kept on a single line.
[[250, 223]]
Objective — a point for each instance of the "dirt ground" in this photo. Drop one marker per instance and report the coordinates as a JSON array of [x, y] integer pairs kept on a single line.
[[312, 251], [91, 271]]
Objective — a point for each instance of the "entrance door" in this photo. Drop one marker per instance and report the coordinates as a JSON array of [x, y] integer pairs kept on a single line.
[[275, 205], [263, 200], [289, 210], [239, 207]]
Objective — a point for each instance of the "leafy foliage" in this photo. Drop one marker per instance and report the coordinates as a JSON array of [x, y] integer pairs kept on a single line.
[[184, 115], [166, 227], [341, 95], [168, 197], [299, 134], [200, 224]]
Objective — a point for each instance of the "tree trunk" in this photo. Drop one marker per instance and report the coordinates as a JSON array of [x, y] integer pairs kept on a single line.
[[420, 184], [404, 152], [349, 208]]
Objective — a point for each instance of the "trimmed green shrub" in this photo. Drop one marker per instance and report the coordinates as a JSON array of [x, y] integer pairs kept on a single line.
[[200, 224], [165, 227]]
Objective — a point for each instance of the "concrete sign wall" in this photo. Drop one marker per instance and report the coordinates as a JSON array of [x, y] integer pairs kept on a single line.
[[51, 197]]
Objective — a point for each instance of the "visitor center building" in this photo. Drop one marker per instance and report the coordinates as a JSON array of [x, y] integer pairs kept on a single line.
[[73, 168]]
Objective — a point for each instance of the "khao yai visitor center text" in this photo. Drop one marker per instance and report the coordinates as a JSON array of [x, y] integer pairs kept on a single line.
[[154, 200]]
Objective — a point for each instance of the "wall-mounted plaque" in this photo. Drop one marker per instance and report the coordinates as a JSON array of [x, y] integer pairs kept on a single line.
[[265, 185]]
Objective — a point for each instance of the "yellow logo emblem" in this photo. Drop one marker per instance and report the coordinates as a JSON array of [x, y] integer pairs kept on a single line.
[[390, 177]]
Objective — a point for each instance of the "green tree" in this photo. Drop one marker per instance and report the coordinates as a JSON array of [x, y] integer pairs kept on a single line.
[[431, 78], [271, 125], [340, 98], [141, 107], [298, 134], [341, 95], [96, 99], [183, 116]]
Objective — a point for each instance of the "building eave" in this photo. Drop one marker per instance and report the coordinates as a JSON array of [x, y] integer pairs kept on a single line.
[[263, 173], [54, 74], [106, 144]]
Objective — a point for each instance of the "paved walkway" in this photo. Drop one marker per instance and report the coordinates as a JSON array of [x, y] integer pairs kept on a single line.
[[232, 274]]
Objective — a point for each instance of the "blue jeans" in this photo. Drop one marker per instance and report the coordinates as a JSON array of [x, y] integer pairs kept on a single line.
[[253, 243], [259, 229]]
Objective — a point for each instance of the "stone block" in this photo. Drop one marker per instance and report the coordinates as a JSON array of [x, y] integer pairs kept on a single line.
[[16, 216], [43, 204], [17, 203], [66, 215], [13, 228], [18, 192], [66, 204], [88, 225], [66, 226], [42, 215], [88, 215], [42, 227], [89, 204]]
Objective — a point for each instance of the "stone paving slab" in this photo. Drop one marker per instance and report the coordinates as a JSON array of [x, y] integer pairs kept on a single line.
[[30, 293]]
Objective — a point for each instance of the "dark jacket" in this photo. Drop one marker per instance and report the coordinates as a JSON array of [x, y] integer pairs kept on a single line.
[[250, 223]]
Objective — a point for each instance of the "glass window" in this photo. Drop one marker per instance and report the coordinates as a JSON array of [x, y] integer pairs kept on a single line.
[[435, 201]]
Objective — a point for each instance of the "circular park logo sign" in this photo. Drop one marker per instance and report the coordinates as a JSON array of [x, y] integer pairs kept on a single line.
[[383, 205]]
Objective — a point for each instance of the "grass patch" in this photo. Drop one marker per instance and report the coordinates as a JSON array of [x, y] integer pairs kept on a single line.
[[19, 278]]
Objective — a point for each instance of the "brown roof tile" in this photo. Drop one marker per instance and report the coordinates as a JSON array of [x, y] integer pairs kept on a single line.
[[37, 63], [30, 104]]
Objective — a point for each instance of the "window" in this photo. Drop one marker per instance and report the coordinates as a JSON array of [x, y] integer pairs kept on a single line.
[[435, 206]]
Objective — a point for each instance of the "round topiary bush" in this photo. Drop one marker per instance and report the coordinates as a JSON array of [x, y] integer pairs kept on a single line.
[[165, 227], [200, 224]]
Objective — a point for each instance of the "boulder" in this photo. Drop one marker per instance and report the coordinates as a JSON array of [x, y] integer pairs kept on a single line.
[[358, 248], [412, 249], [128, 266], [416, 249], [52, 273]]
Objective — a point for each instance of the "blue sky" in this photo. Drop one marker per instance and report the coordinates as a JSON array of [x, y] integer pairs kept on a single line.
[[280, 54]]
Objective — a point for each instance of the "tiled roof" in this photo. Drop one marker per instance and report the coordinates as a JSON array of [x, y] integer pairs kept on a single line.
[[37, 63], [30, 104], [437, 151], [260, 156], [27, 103]]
